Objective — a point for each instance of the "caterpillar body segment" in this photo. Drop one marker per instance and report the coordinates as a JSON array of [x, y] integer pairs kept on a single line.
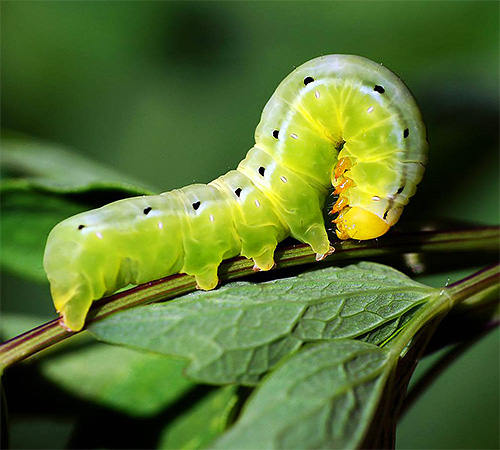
[[338, 120], [140, 239]]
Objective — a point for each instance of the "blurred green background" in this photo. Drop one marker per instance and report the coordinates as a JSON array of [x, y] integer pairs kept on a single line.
[[171, 92]]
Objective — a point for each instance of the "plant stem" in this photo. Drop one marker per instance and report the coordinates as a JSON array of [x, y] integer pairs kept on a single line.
[[484, 239], [477, 284], [411, 343], [438, 368]]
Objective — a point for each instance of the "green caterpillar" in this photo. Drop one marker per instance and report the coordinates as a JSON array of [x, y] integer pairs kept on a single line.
[[337, 120]]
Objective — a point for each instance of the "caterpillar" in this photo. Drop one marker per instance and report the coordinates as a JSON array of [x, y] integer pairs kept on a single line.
[[337, 121]]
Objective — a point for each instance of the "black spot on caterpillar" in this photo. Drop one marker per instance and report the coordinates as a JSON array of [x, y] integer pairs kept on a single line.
[[308, 80], [334, 129]]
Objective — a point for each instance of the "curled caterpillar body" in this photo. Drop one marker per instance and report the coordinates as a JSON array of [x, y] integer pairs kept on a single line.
[[338, 120]]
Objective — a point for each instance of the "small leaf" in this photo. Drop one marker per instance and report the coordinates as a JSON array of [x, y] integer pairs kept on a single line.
[[137, 383], [35, 163], [43, 184], [237, 333], [205, 421], [323, 397], [26, 220]]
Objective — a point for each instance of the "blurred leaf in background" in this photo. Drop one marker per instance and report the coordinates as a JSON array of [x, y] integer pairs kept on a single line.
[[170, 93]]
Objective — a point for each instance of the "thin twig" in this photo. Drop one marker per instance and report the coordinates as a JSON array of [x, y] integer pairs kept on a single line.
[[484, 239], [433, 372]]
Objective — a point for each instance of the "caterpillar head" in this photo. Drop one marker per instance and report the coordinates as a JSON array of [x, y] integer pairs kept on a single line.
[[359, 223], [367, 210]]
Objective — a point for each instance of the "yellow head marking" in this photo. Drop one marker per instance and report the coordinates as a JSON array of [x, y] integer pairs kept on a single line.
[[359, 223]]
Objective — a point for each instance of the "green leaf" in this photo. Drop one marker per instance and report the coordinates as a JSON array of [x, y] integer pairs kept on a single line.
[[237, 333], [49, 166], [205, 421], [43, 184], [323, 397], [136, 383], [25, 221]]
